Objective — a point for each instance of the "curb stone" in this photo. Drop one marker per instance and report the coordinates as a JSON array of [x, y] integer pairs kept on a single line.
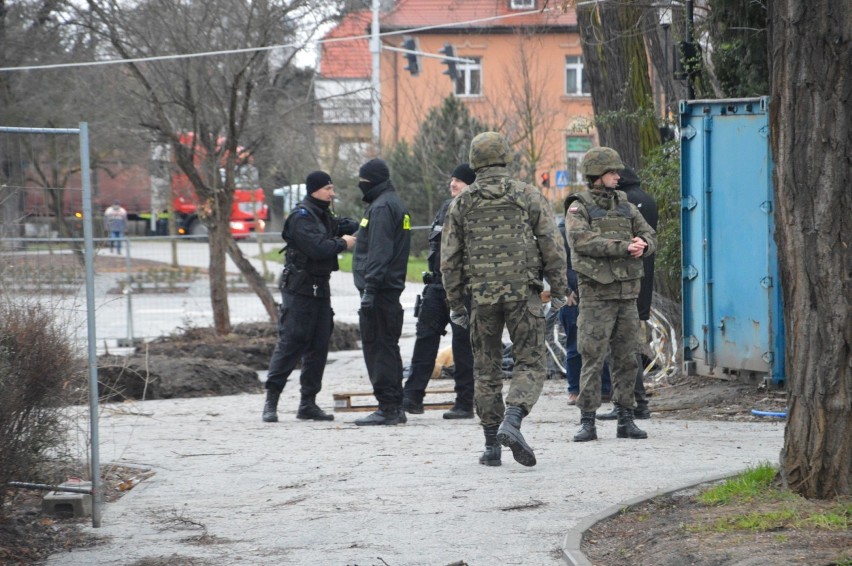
[[571, 553]]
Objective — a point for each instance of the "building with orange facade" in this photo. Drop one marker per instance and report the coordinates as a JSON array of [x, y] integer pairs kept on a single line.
[[522, 73]]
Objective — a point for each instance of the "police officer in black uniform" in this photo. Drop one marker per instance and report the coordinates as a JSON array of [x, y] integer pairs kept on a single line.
[[314, 237], [432, 319], [379, 266]]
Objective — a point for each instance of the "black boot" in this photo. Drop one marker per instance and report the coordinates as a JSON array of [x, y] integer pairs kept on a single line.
[[270, 408], [491, 456], [610, 416], [509, 435], [459, 412], [641, 411], [411, 405], [310, 411], [626, 427], [384, 416], [587, 428]]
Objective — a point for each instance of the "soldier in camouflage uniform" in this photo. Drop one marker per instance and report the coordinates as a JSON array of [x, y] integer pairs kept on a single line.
[[500, 239], [608, 238]]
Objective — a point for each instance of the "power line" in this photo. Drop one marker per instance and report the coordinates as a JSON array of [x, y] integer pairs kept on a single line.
[[266, 48]]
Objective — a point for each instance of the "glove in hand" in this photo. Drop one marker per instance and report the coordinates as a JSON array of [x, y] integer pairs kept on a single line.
[[557, 302], [368, 301], [460, 317]]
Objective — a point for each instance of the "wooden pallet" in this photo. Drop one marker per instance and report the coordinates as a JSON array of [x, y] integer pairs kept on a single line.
[[343, 401]]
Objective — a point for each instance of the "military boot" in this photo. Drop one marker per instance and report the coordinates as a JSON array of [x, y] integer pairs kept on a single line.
[[587, 428], [626, 427], [509, 435], [641, 411], [310, 411], [270, 408], [491, 456], [384, 416], [610, 416]]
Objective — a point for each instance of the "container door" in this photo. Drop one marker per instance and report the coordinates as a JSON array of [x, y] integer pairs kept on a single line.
[[730, 288]]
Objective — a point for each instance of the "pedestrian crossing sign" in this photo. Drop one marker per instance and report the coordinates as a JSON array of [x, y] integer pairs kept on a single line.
[[562, 178]]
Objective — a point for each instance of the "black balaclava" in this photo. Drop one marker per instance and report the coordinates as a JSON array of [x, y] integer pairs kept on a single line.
[[374, 172]]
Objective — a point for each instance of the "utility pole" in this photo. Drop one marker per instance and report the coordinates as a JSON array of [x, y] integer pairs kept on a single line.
[[375, 50]]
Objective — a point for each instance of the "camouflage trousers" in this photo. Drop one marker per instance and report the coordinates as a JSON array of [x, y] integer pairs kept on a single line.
[[607, 325], [526, 325]]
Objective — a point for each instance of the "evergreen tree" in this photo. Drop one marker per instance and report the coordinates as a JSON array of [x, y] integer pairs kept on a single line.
[[421, 171]]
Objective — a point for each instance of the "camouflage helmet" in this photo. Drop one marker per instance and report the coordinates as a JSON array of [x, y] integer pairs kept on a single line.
[[599, 160], [488, 148]]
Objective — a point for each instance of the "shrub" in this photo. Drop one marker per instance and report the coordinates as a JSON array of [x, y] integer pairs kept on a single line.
[[36, 369]]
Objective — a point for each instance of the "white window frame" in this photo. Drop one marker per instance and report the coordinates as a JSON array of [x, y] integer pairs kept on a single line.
[[465, 79], [522, 4], [575, 69], [572, 162]]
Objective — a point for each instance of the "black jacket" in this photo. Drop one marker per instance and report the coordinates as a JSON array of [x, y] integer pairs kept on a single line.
[[630, 184], [433, 260], [312, 234], [380, 259]]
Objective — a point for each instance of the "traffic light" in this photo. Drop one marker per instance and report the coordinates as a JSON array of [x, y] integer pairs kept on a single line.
[[449, 51], [413, 67], [545, 180]]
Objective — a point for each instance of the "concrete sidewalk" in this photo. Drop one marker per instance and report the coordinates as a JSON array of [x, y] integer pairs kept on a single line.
[[230, 489], [334, 493]]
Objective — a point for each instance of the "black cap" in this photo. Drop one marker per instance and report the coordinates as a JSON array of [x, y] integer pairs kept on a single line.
[[376, 171], [317, 180], [464, 173]]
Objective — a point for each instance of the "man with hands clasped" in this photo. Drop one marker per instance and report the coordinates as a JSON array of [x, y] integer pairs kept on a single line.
[[608, 237]]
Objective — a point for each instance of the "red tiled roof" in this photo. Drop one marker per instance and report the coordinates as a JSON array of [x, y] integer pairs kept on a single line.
[[347, 59], [418, 13]]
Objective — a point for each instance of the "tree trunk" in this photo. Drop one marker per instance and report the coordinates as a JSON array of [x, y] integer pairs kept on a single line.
[[616, 64], [218, 235], [810, 117], [254, 279]]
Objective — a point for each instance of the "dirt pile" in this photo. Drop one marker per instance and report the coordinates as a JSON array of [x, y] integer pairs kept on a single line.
[[198, 363]]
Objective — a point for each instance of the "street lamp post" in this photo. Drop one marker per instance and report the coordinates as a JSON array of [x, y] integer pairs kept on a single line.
[[375, 50]]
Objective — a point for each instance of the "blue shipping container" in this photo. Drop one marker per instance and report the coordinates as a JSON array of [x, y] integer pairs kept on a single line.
[[732, 318]]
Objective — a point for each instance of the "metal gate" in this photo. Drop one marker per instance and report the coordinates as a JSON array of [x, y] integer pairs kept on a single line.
[[37, 164]]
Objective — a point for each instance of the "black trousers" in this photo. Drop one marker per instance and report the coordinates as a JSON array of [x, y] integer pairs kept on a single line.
[[304, 330], [431, 325], [381, 328]]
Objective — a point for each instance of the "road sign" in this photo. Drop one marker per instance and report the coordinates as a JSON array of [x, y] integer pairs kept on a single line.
[[562, 178]]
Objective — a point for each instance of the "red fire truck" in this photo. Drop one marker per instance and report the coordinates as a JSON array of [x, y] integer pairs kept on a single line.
[[249, 211]]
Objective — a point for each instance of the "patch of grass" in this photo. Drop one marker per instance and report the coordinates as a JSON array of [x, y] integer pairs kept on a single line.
[[416, 267], [751, 484], [757, 521], [778, 509], [785, 518], [838, 518]]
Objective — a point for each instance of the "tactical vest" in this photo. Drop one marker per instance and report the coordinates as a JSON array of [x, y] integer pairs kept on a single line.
[[615, 224], [501, 252], [298, 260]]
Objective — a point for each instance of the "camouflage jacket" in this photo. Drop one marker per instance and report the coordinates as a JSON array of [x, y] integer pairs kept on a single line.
[[600, 226], [499, 240]]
